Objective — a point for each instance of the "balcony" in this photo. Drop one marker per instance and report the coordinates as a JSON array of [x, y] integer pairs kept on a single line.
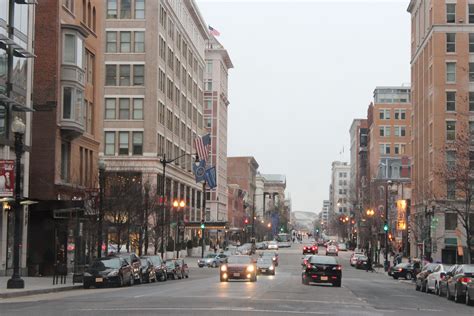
[[72, 74], [71, 129]]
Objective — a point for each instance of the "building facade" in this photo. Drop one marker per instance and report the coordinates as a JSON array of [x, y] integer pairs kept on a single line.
[[16, 88], [66, 130], [340, 178], [442, 67], [216, 103], [358, 138], [153, 96], [325, 214]]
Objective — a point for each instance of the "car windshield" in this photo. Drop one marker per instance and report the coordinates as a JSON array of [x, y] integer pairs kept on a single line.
[[170, 264], [144, 262], [264, 261], [210, 255], [239, 260], [322, 260], [106, 264], [156, 260]]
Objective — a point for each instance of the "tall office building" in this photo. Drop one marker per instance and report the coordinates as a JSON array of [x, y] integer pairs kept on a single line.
[[216, 103]]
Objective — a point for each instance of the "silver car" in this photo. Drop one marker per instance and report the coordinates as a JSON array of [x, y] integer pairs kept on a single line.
[[212, 260]]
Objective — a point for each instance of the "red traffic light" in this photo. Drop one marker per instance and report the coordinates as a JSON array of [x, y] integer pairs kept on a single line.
[[246, 221]]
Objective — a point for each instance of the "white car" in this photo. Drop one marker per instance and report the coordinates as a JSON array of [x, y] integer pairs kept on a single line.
[[354, 257], [272, 245], [331, 251], [432, 281]]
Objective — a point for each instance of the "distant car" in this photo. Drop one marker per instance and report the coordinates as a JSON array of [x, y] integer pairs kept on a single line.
[[238, 267], [182, 268], [422, 277], [362, 262], [321, 269], [433, 280], [403, 270], [108, 271], [172, 269], [135, 262], [331, 250], [353, 259], [273, 255], [265, 266], [457, 281], [272, 245], [310, 249], [342, 247], [212, 260], [148, 270], [321, 242], [261, 245], [284, 244]]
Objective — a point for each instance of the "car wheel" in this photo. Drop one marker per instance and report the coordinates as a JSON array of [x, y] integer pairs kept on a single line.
[[140, 279], [120, 284], [224, 280], [132, 280], [423, 286], [417, 287], [337, 283], [273, 272], [86, 285], [408, 276], [469, 301], [304, 280], [254, 278], [214, 264], [395, 277], [436, 290], [448, 295], [457, 298]]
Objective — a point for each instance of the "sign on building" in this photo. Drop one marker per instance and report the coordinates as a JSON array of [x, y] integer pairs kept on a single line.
[[7, 177]]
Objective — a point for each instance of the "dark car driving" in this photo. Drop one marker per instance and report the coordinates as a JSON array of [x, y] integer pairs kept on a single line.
[[160, 267], [403, 270], [239, 267], [361, 262], [310, 249], [322, 269], [135, 262], [457, 282], [108, 271], [265, 266]]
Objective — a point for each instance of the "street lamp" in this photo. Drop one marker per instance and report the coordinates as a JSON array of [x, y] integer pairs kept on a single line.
[[386, 263], [101, 208], [18, 129], [177, 205]]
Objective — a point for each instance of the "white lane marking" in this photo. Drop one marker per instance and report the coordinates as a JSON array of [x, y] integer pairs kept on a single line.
[[194, 309]]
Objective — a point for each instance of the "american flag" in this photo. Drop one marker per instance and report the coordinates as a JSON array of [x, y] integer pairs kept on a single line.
[[213, 31], [202, 145]]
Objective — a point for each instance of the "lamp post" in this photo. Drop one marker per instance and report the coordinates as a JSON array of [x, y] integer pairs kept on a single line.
[[177, 205], [101, 208], [16, 282], [386, 263]]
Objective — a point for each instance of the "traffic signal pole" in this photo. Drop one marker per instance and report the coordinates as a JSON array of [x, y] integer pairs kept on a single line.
[[203, 216]]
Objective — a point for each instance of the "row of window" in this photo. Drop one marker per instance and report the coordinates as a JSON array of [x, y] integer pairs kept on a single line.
[[399, 114], [89, 15], [398, 149], [451, 97], [123, 143], [125, 42], [124, 109], [342, 174], [451, 13], [384, 131], [173, 93], [125, 9], [124, 75], [451, 72]]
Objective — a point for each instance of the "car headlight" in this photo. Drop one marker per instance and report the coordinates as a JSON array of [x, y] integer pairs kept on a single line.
[[113, 273], [87, 274], [250, 268], [223, 268], [271, 268]]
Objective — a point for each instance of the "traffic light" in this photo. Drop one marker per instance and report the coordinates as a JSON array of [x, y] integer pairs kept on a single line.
[[281, 229], [202, 224], [246, 221], [385, 227]]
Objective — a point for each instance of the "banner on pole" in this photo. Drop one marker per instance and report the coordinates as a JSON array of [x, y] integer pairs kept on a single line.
[[7, 177], [199, 170], [210, 177]]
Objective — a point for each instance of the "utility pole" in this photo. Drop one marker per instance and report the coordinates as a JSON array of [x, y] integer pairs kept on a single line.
[[203, 217], [101, 208]]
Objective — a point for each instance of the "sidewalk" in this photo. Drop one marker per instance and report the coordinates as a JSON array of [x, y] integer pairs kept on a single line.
[[36, 285]]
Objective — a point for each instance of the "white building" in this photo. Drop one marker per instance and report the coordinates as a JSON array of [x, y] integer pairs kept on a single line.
[[340, 178]]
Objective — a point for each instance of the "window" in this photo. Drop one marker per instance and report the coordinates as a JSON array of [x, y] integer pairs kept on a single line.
[[450, 72], [69, 48], [208, 85], [450, 42], [384, 114], [67, 102], [161, 80], [139, 42], [385, 131], [209, 66], [450, 130], [69, 4], [161, 144], [471, 132], [110, 109], [471, 160], [471, 101], [110, 143], [65, 160], [125, 42], [110, 75], [384, 149], [450, 101], [162, 48], [208, 104], [138, 75], [396, 149], [111, 46], [89, 64], [124, 79], [471, 13], [124, 109], [161, 113], [139, 9], [208, 122], [450, 221], [400, 131], [125, 9], [400, 114], [450, 13], [137, 138], [123, 143], [471, 42], [138, 109], [450, 159], [471, 72]]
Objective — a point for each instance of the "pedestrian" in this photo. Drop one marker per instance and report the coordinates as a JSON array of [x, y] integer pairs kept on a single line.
[[369, 264], [399, 258]]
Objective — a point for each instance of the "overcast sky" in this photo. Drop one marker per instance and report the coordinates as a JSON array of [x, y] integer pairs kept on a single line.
[[303, 71]]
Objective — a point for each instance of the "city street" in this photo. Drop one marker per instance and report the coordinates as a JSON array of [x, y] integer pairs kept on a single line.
[[361, 293]]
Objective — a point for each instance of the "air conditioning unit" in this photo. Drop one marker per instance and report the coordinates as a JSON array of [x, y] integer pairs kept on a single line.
[[461, 20]]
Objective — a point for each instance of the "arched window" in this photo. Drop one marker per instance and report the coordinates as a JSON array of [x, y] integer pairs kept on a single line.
[[93, 19], [89, 19], [84, 14]]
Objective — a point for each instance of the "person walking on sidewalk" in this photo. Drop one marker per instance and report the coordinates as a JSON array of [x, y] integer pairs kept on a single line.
[[369, 263]]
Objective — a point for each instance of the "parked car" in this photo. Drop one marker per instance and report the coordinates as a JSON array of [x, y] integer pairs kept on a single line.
[[310, 249], [361, 262], [273, 245], [183, 269], [108, 271], [331, 250], [457, 281], [239, 267], [159, 266], [212, 260], [261, 245], [443, 281], [148, 270], [265, 266], [273, 255], [403, 270], [432, 282], [470, 293], [135, 262], [172, 269], [422, 277], [321, 269], [354, 256]]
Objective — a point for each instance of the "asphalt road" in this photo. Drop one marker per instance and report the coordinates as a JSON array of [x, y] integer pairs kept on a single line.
[[362, 293]]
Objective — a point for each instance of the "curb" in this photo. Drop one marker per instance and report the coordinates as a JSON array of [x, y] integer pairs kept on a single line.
[[39, 291]]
